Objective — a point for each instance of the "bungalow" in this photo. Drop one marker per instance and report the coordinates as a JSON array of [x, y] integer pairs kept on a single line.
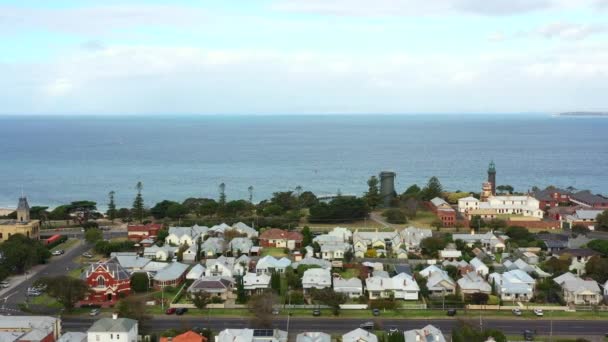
[[213, 246], [172, 275], [281, 239], [256, 283], [585, 217], [240, 245], [488, 241], [472, 283], [196, 272], [269, 264], [352, 287], [334, 251], [578, 291], [107, 281], [140, 232], [519, 264], [553, 242], [450, 254], [515, 285], [179, 236], [578, 257], [188, 336], [479, 266], [190, 254], [362, 241], [316, 278], [427, 334], [313, 337], [359, 335], [227, 266], [251, 335], [401, 254], [240, 227], [412, 236], [163, 253], [439, 283], [401, 286], [216, 286], [245, 229]]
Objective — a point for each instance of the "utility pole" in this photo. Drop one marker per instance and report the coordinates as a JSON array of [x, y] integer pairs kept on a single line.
[[289, 307]]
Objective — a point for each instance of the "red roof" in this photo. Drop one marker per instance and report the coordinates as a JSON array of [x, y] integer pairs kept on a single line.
[[144, 228], [277, 234], [188, 336]]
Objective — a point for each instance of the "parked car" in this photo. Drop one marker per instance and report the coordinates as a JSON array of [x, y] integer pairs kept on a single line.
[[316, 312], [58, 252], [367, 326], [528, 335], [275, 311], [376, 312], [170, 311], [181, 311], [516, 311], [393, 330], [94, 312], [452, 312], [33, 293], [4, 284], [87, 255], [538, 312]]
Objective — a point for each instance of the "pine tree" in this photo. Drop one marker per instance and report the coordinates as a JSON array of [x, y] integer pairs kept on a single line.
[[241, 295], [111, 207], [250, 189], [372, 196], [222, 200], [138, 203], [432, 189], [275, 281]]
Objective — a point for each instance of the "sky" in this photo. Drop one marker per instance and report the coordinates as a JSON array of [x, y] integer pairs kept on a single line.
[[303, 56]]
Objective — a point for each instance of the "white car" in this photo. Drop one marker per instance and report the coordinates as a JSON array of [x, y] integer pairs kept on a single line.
[[94, 312], [57, 252], [538, 312], [4, 284]]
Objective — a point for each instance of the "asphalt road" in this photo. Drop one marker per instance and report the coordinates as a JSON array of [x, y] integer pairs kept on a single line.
[[342, 325]]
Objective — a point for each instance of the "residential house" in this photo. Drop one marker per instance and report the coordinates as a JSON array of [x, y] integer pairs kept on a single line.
[[310, 261], [191, 254], [584, 217], [412, 236], [578, 257], [113, 330], [316, 278], [179, 236], [487, 240], [73, 336], [515, 285], [143, 231], [362, 241], [359, 335], [587, 199], [401, 254], [352, 287], [439, 283], [427, 334], [530, 258], [213, 246], [29, 328], [553, 242], [163, 253], [188, 336], [227, 266], [551, 197], [215, 285], [579, 291], [251, 335], [107, 282], [401, 286], [269, 264], [131, 263], [526, 206], [334, 251], [450, 253], [239, 227], [240, 245], [172, 275], [256, 283], [471, 283], [519, 264], [313, 337], [444, 211], [281, 239], [479, 266], [196, 272]]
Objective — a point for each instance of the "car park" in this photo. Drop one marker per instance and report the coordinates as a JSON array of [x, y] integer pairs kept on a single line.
[[516, 311], [181, 311], [451, 312], [94, 312], [367, 326], [538, 312], [170, 311]]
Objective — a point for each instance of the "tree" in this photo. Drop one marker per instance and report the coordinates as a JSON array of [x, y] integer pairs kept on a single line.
[[82, 210], [372, 196], [465, 332], [556, 266], [437, 224], [502, 189], [133, 307], [241, 294], [222, 199], [111, 206], [275, 282], [160, 209], [348, 255], [176, 211], [19, 253], [93, 235], [140, 282], [66, 290], [308, 199], [341, 209], [432, 245], [597, 268], [138, 203], [432, 189], [412, 192], [476, 223], [262, 305], [307, 236], [497, 224], [250, 190], [580, 229], [162, 235], [200, 299], [602, 221], [600, 246], [330, 298], [395, 216]]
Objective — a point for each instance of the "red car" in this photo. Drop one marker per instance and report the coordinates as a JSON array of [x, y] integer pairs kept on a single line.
[[170, 311]]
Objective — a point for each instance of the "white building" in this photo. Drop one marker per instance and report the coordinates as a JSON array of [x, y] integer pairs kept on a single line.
[[359, 335], [427, 334], [501, 205], [352, 287], [185, 235], [269, 264], [515, 285], [256, 283], [579, 291], [479, 266], [316, 278], [401, 286], [251, 335], [113, 330], [313, 337]]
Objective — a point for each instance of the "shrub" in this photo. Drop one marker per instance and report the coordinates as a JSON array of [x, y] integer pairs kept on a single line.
[[395, 216]]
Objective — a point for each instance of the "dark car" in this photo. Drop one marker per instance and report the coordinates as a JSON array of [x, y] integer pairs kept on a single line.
[[170, 311], [181, 311], [452, 312], [376, 312], [367, 326], [528, 335], [316, 312]]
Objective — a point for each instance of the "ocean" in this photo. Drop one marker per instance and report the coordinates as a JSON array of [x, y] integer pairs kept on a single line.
[[58, 159]]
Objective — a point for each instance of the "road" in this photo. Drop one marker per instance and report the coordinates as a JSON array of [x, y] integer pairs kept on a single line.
[[342, 325]]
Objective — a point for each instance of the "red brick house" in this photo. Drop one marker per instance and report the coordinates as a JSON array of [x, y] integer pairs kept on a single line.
[[551, 197], [280, 238], [443, 210], [139, 232], [108, 281], [587, 199]]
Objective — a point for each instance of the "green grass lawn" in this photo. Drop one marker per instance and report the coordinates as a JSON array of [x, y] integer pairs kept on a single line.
[[66, 245], [423, 218], [350, 273], [45, 300], [274, 251], [76, 272]]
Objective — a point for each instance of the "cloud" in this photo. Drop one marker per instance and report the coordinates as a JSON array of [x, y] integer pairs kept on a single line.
[[152, 79], [570, 31], [424, 7]]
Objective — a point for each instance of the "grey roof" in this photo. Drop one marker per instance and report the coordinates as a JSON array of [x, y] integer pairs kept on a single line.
[[171, 272], [546, 194], [242, 244], [587, 214], [437, 201], [587, 197], [427, 334], [213, 244], [113, 325], [112, 266], [73, 337], [211, 284], [131, 262]]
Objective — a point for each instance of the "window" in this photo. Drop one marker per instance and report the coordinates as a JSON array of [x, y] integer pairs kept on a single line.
[[111, 336], [101, 282], [96, 337], [117, 336]]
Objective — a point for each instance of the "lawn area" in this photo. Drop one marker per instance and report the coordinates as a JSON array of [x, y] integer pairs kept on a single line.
[[423, 219], [350, 273], [76, 272], [45, 300], [325, 227], [69, 243], [274, 251]]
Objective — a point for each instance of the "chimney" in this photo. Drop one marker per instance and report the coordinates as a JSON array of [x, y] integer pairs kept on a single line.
[[115, 315], [417, 338]]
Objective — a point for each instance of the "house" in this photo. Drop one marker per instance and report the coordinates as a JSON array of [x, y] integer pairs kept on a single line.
[[143, 231], [269, 264], [256, 283], [188, 336], [316, 278], [131, 262], [216, 286], [362, 241], [412, 236], [213, 246], [514, 285], [606, 290], [530, 258], [551, 197], [310, 261], [163, 253], [439, 283], [172, 275], [240, 245], [472, 283], [313, 337], [578, 257], [196, 272], [579, 291], [450, 254], [72, 336], [251, 335], [29, 328], [479, 266], [401, 286], [190, 254], [113, 330], [352, 287], [334, 251], [179, 236], [239, 227], [584, 217], [107, 282], [519, 264], [587, 199], [553, 242], [487, 240], [281, 239], [445, 213], [359, 335], [427, 334], [227, 266]]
